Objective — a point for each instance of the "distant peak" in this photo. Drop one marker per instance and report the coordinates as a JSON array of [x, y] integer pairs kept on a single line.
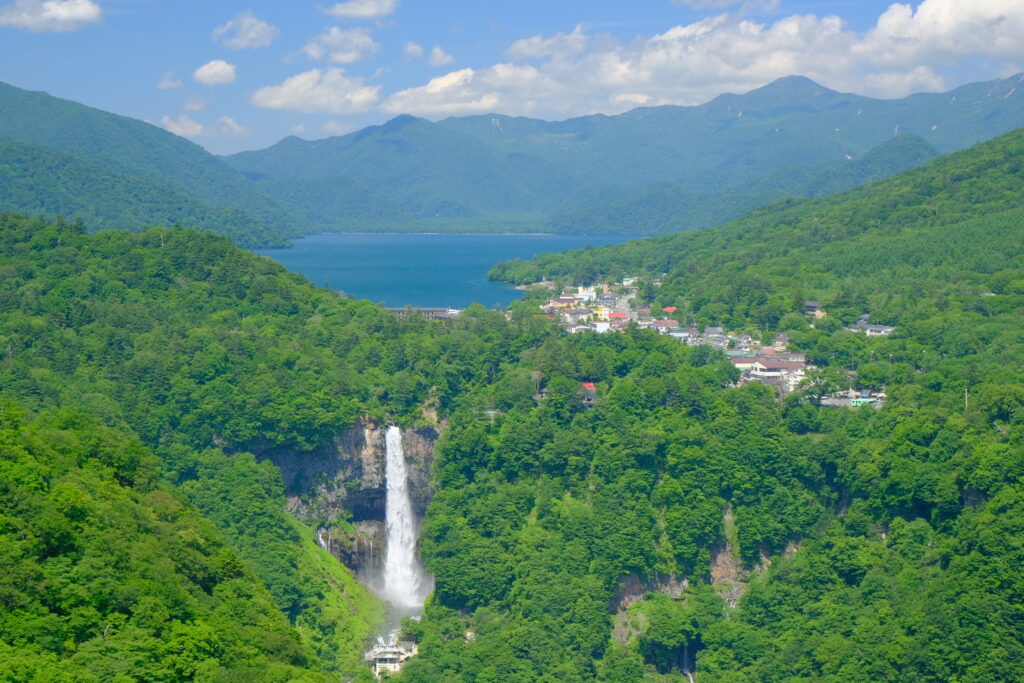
[[794, 84], [401, 121]]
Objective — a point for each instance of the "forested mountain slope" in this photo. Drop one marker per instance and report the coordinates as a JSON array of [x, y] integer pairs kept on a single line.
[[958, 209], [203, 351], [681, 524], [677, 207], [38, 180], [117, 169], [677, 168], [109, 576], [817, 543]]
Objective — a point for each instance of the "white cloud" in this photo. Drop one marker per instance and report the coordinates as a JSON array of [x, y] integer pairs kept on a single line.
[[363, 9], [184, 126], [169, 82], [940, 31], [568, 74], [245, 32], [538, 46], [413, 50], [195, 104], [439, 57], [217, 72], [299, 129], [338, 127], [319, 92], [341, 47], [187, 127], [54, 16], [458, 92], [231, 128]]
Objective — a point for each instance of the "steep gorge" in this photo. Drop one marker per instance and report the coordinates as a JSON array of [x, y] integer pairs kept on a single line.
[[340, 488]]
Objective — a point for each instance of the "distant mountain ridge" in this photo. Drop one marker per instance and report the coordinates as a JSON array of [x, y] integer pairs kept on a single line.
[[652, 170], [705, 163]]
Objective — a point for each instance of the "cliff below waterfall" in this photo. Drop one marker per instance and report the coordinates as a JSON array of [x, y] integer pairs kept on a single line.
[[340, 490]]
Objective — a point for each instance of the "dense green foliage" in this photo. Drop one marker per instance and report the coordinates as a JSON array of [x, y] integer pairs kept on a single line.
[[840, 544], [653, 170], [61, 157], [109, 576], [863, 250], [203, 349], [681, 524], [37, 180]]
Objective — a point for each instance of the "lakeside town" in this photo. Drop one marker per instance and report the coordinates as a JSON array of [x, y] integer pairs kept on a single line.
[[612, 307]]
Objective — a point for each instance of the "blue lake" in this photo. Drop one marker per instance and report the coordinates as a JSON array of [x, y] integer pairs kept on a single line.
[[419, 270]]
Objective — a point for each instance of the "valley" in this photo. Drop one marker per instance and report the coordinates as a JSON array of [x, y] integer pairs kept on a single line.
[[726, 392]]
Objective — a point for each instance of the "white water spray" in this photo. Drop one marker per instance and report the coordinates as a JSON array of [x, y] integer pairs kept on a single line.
[[406, 585]]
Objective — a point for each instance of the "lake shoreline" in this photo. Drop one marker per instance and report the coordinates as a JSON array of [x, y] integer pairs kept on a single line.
[[431, 270]]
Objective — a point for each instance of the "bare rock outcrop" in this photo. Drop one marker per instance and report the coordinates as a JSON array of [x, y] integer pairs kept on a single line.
[[339, 489]]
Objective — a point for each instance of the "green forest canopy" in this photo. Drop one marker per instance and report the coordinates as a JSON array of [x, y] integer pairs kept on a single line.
[[815, 543]]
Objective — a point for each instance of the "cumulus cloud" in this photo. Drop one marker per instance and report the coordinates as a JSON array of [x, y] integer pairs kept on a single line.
[[340, 46], [53, 16], [217, 72], [439, 57], [245, 32], [363, 9], [940, 31], [195, 104], [574, 73], [413, 50], [459, 92], [186, 127], [169, 82], [319, 92]]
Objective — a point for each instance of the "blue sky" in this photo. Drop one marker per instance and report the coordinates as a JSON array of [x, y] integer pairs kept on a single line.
[[241, 75]]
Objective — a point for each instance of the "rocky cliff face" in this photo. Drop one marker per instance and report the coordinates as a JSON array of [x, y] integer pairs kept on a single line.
[[339, 488]]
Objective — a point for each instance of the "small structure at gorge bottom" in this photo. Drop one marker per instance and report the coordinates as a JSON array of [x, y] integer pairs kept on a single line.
[[389, 656]]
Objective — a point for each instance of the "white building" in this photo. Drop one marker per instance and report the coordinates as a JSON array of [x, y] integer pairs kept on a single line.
[[390, 656]]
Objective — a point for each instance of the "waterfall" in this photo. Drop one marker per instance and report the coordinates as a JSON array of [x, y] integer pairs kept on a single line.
[[406, 585]]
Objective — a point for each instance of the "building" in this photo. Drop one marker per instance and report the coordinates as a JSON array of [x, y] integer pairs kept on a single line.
[[864, 327], [589, 394], [389, 656], [564, 301], [783, 375], [426, 312]]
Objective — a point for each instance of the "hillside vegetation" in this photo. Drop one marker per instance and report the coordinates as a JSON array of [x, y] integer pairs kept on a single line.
[[108, 575], [61, 157], [817, 543], [682, 524]]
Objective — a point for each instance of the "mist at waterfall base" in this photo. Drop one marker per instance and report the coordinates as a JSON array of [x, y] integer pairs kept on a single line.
[[402, 580]]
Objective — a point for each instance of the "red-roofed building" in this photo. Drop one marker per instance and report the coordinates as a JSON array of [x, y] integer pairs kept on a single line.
[[670, 309], [589, 394], [618, 316]]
